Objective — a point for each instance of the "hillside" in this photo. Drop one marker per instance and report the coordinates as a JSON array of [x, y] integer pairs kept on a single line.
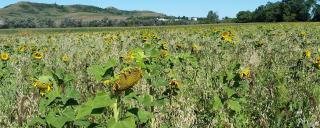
[[22, 10]]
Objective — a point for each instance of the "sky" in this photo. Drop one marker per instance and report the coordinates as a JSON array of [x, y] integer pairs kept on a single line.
[[189, 8]]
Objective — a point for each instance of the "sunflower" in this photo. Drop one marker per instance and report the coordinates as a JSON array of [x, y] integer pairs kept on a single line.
[[175, 84], [164, 53], [127, 78], [65, 58], [317, 62], [227, 36], [5, 56], [307, 54], [43, 87], [245, 73], [195, 48], [38, 55]]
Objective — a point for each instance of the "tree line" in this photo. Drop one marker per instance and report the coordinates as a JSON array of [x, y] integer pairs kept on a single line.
[[282, 11]]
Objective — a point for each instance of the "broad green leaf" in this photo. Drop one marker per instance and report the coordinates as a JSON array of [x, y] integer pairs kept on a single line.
[[217, 104], [59, 73], [111, 63], [71, 93], [82, 123], [68, 78], [126, 123], [229, 91], [96, 70], [230, 75], [146, 100], [144, 116], [37, 120], [56, 121], [234, 105], [83, 111], [102, 100], [69, 113]]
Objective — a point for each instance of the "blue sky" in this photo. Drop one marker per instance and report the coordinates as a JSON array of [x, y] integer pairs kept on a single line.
[[197, 8]]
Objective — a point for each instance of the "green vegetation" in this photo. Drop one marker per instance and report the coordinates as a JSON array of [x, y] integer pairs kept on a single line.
[[282, 11], [252, 75]]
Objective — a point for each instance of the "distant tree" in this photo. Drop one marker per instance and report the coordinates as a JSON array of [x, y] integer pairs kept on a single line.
[[212, 17], [244, 16], [228, 20], [316, 13]]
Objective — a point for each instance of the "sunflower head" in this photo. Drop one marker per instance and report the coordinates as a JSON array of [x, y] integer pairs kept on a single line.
[[307, 54], [127, 78], [175, 84], [5, 56], [65, 58], [195, 48], [245, 73], [164, 53], [43, 87], [38, 55]]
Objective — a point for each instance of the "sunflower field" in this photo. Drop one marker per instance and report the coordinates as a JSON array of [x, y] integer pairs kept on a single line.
[[240, 75]]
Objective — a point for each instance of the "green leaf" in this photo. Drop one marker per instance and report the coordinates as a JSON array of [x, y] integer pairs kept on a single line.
[[69, 113], [230, 75], [102, 100], [146, 100], [59, 73], [144, 116], [68, 78], [51, 96], [234, 105], [56, 121], [82, 123], [37, 120], [71, 93], [111, 63], [83, 111], [96, 70], [217, 104], [229, 91], [126, 123]]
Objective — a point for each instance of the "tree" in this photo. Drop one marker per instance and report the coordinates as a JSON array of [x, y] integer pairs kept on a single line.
[[212, 17], [316, 13], [244, 17]]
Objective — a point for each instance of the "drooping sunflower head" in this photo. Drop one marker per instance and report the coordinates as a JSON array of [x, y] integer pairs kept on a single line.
[[127, 78], [38, 55], [227, 36], [245, 73], [44, 84], [164, 53], [5, 56], [175, 84]]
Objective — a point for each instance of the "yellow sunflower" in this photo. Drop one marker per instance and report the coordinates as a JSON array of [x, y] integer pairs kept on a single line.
[[65, 58], [245, 73], [5, 56], [307, 54], [38, 55], [175, 84]]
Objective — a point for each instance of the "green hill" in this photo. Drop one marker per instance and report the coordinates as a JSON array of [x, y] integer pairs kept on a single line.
[[22, 10]]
